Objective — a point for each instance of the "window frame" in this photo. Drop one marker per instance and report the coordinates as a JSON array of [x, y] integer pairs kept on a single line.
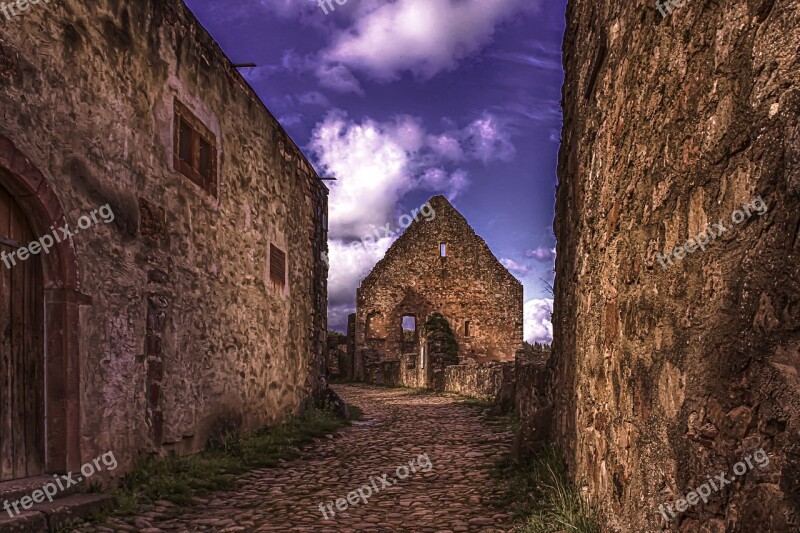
[[272, 253], [198, 132]]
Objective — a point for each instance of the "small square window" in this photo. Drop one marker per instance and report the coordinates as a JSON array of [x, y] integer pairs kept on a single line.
[[277, 265], [443, 249]]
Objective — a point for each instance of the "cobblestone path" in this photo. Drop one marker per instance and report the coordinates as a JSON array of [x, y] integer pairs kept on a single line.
[[456, 493]]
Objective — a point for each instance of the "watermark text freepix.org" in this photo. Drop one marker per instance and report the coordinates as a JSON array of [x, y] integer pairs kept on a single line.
[[422, 462], [426, 210], [13, 9], [60, 483], [701, 240], [717, 483], [44, 243]]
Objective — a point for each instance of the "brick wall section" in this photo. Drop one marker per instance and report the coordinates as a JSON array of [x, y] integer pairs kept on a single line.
[[467, 285], [668, 376], [185, 328]]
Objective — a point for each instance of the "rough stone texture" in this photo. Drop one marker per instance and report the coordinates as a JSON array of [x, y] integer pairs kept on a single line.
[[531, 375], [469, 284], [479, 380], [180, 329], [666, 376], [459, 492]]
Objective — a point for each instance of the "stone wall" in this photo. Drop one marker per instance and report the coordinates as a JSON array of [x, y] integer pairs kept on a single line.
[[531, 391], [479, 380], [178, 328], [468, 284], [668, 374]]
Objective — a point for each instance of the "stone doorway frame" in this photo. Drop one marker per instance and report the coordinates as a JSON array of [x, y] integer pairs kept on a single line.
[[62, 299]]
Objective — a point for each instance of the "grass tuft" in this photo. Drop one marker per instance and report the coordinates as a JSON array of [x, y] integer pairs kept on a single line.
[[545, 500], [180, 478]]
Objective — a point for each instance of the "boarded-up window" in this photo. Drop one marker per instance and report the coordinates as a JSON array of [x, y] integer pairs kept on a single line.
[[277, 265], [195, 150]]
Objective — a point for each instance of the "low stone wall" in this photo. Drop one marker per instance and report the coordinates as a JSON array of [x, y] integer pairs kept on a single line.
[[479, 380], [530, 394]]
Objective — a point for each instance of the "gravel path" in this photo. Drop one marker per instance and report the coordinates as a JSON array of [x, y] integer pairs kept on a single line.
[[444, 451]]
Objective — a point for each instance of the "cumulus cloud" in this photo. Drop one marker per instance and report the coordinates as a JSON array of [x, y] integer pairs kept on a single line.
[[373, 162], [516, 268], [542, 253], [488, 140], [537, 321], [378, 162], [423, 37]]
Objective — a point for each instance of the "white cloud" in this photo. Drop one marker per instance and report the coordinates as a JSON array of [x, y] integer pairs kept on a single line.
[[446, 146], [349, 264], [373, 164], [487, 139], [515, 268], [338, 78], [424, 37], [537, 321], [377, 163], [542, 253]]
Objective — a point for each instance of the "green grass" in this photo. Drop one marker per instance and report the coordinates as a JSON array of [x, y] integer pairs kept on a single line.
[[179, 478], [544, 499]]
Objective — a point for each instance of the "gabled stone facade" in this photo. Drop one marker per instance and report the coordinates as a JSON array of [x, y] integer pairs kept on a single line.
[[437, 266]]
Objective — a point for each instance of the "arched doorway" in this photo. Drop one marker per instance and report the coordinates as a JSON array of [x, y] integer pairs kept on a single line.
[[21, 348], [43, 328]]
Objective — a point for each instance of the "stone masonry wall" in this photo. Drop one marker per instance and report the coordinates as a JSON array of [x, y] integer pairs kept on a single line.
[[469, 284], [185, 332], [479, 380], [669, 374]]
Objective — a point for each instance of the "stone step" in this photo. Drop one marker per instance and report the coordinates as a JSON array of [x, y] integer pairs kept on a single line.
[[14, 490], [56, 515]]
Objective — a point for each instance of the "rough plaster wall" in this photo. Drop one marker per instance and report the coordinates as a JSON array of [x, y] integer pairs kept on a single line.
[[667, 376], [86, 91], [470, 284]]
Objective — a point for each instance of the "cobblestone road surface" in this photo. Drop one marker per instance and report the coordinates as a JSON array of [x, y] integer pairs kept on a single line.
[[457, 493]]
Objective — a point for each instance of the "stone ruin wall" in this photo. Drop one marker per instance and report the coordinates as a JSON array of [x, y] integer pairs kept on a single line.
[[185, 333], [412, 279], [665, 376]]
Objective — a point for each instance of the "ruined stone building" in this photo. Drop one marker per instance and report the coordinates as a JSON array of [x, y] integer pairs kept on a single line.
[[668, 375], [197, 304], [438, 266]]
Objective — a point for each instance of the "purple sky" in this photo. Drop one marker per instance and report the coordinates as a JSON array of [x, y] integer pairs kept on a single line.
[[404, 99]]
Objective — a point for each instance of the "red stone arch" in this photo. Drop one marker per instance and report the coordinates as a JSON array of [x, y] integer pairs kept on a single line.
[[62, 297]]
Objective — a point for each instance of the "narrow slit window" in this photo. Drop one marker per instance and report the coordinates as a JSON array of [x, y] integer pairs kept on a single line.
[[277, 265], [409, 324], [466, 328], [443, 249]]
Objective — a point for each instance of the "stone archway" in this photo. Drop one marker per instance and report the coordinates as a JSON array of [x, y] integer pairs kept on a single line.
[[61, 299]]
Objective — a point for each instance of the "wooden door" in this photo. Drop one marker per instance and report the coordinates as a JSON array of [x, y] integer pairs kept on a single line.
[[21, 349]]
